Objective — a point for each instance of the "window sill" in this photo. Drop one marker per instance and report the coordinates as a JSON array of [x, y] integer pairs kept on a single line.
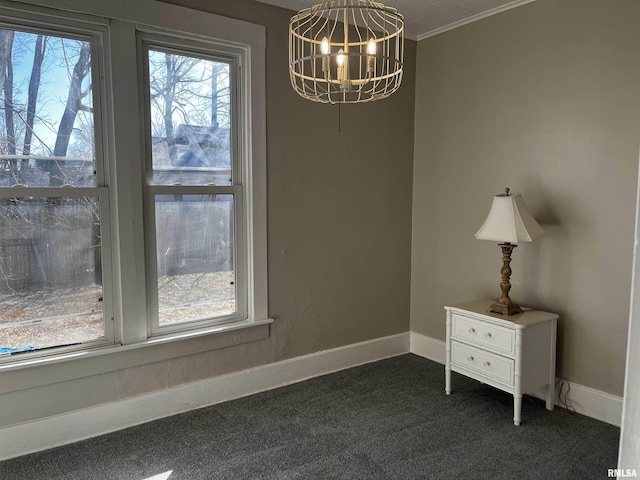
[[41, 371]]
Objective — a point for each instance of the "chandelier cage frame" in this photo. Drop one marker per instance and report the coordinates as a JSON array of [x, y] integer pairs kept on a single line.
[[346, 51]]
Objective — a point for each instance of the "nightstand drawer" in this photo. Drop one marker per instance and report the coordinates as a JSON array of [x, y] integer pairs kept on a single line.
[[486, 364], [484, 334]]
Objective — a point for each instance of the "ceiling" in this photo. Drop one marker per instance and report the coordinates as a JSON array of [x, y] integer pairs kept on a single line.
[[425, 18]]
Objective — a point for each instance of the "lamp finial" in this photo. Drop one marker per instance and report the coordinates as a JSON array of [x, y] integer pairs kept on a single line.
[[507, 190]]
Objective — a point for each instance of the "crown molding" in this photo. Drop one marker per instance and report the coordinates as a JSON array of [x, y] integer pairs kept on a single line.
[[474, 18]]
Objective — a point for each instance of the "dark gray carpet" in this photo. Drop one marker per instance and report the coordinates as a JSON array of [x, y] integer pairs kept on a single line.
[[386, 420]]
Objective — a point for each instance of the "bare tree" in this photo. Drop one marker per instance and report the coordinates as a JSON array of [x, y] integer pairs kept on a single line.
[[6, 42], [176, 90], [167, 91], [73, 106], [26, 225], [34, 86], [220, 95], [7, 48], [214, 99], [6, 85], [168, 95]]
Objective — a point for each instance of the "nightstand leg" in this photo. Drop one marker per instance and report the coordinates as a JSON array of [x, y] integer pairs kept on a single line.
[[447, 356], [551, 388], [517, 409], [447, 383], [517, 394], [550, 395]]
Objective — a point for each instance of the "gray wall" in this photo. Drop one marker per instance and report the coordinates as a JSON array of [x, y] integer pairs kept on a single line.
[[339, 203], [339, 234], [544, 99]]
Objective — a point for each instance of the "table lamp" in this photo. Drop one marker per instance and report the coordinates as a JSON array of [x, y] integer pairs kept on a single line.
[[510, 222]]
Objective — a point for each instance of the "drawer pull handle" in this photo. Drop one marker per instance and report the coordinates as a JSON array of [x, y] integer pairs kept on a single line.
[[487, 363], [472, 330], [471, 359], [488, 335]]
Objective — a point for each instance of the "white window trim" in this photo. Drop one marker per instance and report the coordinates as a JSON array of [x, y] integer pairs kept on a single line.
[[125, 179], [237, 57], [96, 34], [38, 371]]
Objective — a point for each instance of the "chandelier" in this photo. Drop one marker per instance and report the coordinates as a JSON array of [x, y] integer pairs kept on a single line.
[[346, 51]]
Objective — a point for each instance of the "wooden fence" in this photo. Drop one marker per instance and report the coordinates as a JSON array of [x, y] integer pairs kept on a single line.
[[58, 243], [49, 242]]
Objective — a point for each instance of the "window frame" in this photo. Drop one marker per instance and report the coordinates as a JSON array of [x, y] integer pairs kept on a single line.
[[96, 34], [122, 148], [236, 57]]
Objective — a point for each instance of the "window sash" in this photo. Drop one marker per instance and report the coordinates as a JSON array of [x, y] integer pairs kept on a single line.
[[213, 52], [102, 194], [96, 34], [239, 257]]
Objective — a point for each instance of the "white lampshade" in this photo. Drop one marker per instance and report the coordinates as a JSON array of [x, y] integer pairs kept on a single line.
[[509, 220]]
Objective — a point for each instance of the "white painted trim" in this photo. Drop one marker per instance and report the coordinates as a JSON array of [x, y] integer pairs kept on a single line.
[[29, 437], [157, 14], [427, 347], [595, 403], [586, 401], [474, 18], [629, 454], [49, 432]]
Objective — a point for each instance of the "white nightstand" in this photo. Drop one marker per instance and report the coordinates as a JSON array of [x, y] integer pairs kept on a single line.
[[515, 353]]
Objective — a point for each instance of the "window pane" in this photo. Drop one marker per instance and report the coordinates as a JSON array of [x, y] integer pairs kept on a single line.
[[195, 255], [190, 120], [50, 272], [46, 129]]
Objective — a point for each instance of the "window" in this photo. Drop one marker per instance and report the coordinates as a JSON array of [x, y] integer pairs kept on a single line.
[[194, 184], [132, 179], [53, 199]]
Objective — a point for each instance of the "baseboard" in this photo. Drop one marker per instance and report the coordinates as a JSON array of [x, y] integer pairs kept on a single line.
[[29, 437], [49, 432], [593, 403], [427, 347], [585, 400]]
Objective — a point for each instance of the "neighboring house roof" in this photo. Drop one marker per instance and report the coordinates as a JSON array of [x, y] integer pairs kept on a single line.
[[196, 146]]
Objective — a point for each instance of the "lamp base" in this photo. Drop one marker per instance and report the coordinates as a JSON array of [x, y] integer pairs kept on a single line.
[[509, 308], [505, 306]]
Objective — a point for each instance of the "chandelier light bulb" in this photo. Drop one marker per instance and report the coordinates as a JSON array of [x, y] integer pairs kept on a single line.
[[324, 46], [371, 47], [342, 78], [371, 59]]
